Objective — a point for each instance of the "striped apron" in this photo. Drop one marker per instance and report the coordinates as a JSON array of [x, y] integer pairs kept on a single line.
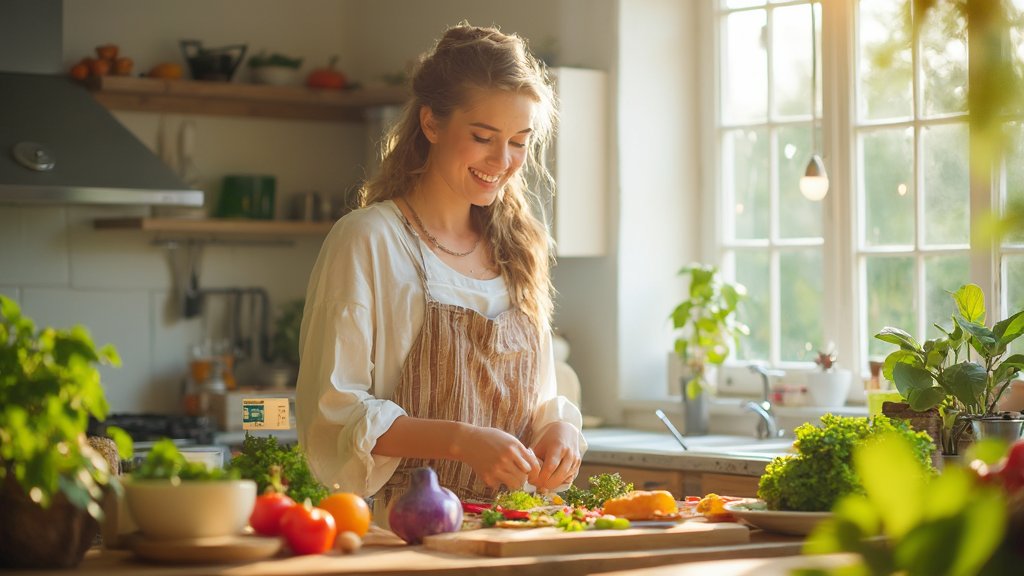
[[469, 368]]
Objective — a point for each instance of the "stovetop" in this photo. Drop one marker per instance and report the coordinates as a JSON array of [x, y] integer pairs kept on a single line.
[[146, 427]]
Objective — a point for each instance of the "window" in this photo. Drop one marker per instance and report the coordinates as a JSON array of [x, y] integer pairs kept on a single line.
[[894, 234], [771, 236]]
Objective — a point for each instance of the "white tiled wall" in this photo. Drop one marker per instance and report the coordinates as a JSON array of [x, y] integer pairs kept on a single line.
[[118, 284]]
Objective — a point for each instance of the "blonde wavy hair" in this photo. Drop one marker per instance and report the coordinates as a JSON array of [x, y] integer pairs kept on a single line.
[[463, 61]]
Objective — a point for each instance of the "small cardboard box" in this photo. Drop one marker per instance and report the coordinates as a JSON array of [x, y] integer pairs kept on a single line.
[[230, 409]]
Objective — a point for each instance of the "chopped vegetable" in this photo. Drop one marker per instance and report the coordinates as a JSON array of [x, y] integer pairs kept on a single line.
[[490, 517], [601, 487], [822, 470], [518, 500]]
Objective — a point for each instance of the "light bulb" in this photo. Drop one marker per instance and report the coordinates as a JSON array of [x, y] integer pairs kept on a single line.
[[814, 182]]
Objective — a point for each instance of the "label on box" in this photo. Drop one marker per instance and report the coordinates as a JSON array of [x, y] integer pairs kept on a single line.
[[265, 414]]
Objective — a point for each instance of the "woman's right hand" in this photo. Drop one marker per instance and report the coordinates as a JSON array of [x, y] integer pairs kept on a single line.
[[497, 457]]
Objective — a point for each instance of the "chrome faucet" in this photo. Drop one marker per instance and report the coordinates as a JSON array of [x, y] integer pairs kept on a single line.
[[767, 427]]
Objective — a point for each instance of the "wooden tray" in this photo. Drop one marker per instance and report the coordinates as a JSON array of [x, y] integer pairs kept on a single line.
[[226, 549], [501, 542]]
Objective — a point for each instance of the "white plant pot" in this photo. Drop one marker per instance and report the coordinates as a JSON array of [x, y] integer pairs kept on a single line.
[[829, 389]]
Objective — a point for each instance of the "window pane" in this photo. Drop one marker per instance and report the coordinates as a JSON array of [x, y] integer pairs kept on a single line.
[[800, 297], [884, 63], [798, 216], [942, 275], [944, 60], [947, 194], [744, 67], [741, 3], [745, 181], [1013, 284], [791, 60], [1014, 180], [887, 158], [752, 270], [891, 299]]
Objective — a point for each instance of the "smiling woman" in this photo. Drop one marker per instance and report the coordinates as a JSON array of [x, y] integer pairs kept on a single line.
[[426, 339]]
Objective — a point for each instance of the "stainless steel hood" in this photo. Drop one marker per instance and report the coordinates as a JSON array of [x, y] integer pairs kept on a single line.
[[57, 144]]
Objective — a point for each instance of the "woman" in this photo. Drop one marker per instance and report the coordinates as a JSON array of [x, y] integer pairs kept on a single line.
[[426, 333]]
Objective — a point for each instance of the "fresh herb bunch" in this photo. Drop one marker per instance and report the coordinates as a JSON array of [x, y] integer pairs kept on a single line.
[[165, 462], [822, 471], [518, 500], [601, 487], [49, 387], [260, 454]]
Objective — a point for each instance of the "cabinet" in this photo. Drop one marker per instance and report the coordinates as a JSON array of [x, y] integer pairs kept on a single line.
[[578, 161], [642, 478], [679, 483]]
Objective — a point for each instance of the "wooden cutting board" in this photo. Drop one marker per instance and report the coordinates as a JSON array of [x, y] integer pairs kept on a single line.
[[505, 542]]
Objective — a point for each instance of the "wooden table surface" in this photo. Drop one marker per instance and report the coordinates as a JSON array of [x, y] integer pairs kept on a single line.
[[381, 556]]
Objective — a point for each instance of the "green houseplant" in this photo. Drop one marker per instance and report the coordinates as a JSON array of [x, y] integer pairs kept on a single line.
[[706, 330], [964, 371], [52, 482]]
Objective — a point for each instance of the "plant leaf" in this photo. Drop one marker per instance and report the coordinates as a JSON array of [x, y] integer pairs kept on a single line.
[[1009, 329], [970, 303], [921, 399], [881, 463], [899, 338], [899, 356], [983, 339], [966, 381], [908, 377]]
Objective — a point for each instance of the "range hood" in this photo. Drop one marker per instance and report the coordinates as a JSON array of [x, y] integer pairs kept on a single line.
[[58, 145]]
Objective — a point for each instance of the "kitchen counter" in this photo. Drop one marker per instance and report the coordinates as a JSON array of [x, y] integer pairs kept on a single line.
[[383, 555], [716, 453]]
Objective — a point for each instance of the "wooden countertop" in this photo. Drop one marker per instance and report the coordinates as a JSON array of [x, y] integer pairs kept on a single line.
[[380, 556]]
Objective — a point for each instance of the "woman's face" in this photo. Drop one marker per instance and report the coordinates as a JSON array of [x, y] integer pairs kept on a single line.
[[481, 146]]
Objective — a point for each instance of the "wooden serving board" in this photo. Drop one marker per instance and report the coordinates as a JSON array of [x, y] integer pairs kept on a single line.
[[505, 542]]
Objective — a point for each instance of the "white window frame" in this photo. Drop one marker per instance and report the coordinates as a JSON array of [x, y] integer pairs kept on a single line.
[[844, 250]]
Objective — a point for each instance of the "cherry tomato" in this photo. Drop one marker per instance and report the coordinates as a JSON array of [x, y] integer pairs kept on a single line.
[[308, 530], [266, 515]]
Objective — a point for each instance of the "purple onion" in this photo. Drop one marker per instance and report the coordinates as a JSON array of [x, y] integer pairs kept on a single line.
[[426, 509]]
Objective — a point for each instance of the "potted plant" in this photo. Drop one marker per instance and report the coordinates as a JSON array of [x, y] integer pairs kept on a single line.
[[706, 329], [52, 482], [963, 372], [830, 384]]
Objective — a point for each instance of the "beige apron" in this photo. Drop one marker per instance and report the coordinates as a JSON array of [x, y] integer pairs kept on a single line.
[[469, 368]]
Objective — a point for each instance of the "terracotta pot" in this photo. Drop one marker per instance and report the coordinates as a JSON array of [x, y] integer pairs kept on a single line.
[[35, 537]]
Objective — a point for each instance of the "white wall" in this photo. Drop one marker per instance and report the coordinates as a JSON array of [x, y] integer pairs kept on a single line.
[[659, 207]]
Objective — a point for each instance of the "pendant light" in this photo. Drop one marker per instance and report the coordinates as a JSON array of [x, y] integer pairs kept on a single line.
[[814, 182]]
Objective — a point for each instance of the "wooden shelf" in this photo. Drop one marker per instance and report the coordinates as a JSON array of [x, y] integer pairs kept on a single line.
[[237, 99], [217, 226]]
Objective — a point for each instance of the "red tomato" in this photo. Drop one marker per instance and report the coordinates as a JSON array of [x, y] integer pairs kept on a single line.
[[266, 516], [1013, 468], [308, 530]]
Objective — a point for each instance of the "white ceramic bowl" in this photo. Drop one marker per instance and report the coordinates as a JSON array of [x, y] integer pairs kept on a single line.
[[191, 509]]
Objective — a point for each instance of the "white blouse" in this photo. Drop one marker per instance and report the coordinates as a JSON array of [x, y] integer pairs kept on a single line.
[[364, 308]]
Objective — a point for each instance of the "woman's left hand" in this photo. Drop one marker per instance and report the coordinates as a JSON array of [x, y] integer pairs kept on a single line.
[[558, 449]]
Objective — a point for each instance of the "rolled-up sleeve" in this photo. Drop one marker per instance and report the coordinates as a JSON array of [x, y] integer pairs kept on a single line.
[[551, 407], [339, 420]]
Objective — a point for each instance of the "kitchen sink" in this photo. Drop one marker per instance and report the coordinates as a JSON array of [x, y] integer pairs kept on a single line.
[[633, 440]]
